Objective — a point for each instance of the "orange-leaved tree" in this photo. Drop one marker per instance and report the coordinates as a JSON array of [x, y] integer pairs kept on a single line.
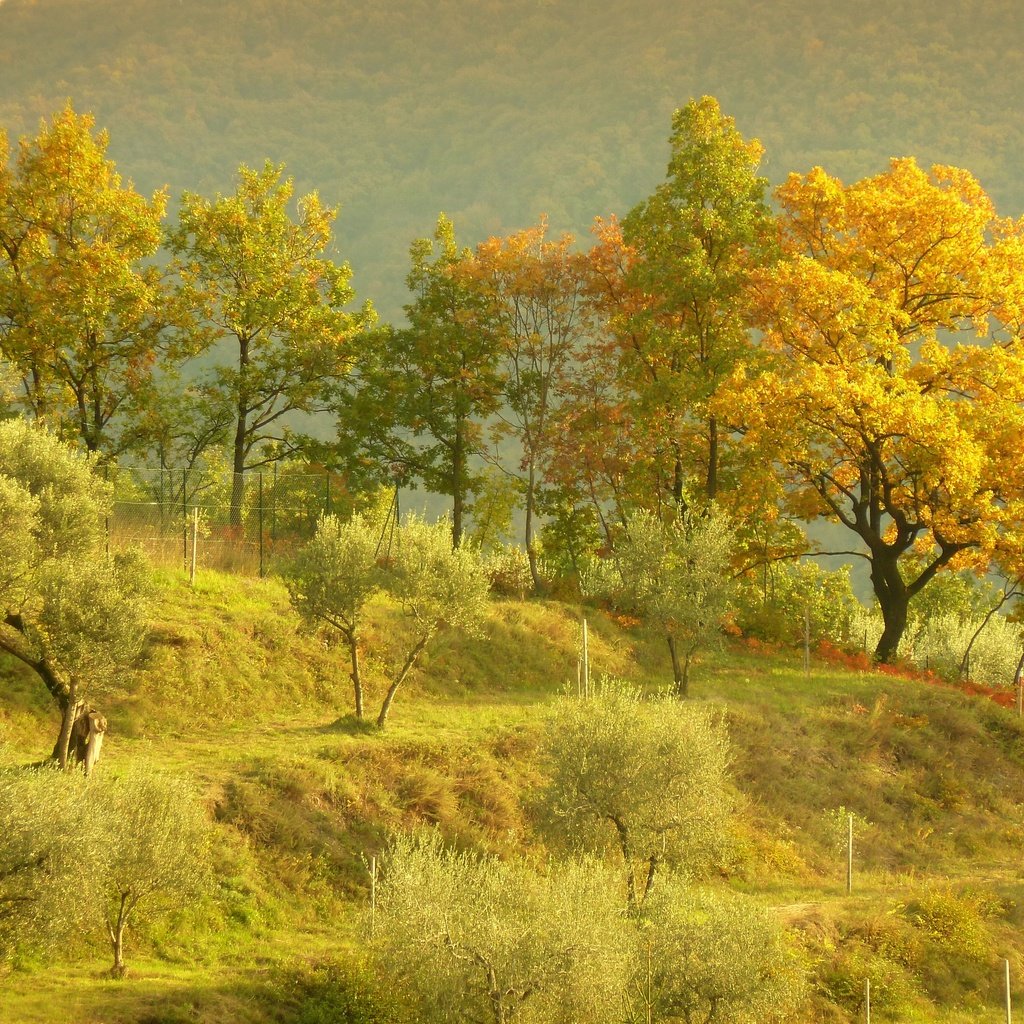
[[879, 417]]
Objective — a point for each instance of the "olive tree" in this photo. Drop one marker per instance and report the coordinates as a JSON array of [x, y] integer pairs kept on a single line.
[[333, 577], [47, 844], [676, 575], [707, 955], [155, 852], [68, 611], [474, 938], [437, 586], [644, 777]]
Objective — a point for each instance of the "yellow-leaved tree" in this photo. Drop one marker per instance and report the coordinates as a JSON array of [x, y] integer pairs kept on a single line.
[[893, 405]]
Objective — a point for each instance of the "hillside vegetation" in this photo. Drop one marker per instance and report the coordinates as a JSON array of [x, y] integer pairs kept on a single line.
[[233, 697]]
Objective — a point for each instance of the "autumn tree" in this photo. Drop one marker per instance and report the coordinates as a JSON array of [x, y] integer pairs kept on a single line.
[[645, 777], [416, 403], [263, 282], [478, 939], [68, 611], [86, 318], [536, 294], [681, 314], [876, 420]]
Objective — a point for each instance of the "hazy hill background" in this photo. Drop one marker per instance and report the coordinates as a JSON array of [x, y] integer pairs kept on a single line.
[[500, 110]]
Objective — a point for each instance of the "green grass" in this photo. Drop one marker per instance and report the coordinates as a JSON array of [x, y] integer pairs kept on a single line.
[[232, 694]]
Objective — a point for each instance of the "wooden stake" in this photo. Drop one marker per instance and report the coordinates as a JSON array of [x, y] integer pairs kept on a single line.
[[867, 1000], [1009, 1008], [849, 855], [586, 660], [807, 638], [195, 534], [373, 895]]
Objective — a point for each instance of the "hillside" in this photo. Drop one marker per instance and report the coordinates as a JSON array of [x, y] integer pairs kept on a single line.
[[231, 695], [500, 111]]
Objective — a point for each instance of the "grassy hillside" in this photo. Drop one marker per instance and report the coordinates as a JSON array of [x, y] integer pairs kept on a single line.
[[232, 696]]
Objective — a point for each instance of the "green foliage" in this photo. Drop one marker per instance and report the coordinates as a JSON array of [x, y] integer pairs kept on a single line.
[[707, 955], [508, 569], [262, 281], [773, 607], [676, 576], [154, 852], [46, 843], [76, 853], [955, 920], [73, 615], [418, 397], [476, 938], [646, 777]]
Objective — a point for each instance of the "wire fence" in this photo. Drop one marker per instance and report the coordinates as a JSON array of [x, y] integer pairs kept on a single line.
[[247, 523]]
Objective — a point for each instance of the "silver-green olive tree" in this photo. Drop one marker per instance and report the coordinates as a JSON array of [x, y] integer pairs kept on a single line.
[[707, 955], [47, 843], [438, 587], [68, 611], [477, 939], [646, 777], [676, 575], [154, 855], [333, 577]]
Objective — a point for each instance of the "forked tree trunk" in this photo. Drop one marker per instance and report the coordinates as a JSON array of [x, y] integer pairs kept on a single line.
[[116, 932], [69, 713]]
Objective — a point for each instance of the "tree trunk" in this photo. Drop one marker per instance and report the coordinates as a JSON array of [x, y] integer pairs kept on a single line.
[[712, 480], [69, 713], [400, 678], [894, 602], [531, 552], [116, 933], [241, 432], [458, 483], [680, 674], [357, 682]]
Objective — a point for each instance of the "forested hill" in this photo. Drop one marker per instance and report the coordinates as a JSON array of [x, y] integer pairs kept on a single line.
[[500, 110]]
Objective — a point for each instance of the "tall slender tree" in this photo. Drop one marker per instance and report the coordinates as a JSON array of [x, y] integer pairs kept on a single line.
[[264, 283]]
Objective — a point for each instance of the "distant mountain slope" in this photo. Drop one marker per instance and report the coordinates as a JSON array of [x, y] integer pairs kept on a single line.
[[498, 111]]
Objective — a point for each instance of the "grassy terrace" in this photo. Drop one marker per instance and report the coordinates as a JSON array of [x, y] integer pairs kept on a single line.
[[233, 696]]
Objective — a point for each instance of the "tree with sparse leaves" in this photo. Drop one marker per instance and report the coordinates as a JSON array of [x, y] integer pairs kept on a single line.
[[675, 575], [437, 587]]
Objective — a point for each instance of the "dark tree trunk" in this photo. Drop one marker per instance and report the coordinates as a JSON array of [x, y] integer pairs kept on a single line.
[[241, 435], [712, 480], [893, 601], [69, 713], [531, 552], [357, 681], [458, 485], [680, 670]]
